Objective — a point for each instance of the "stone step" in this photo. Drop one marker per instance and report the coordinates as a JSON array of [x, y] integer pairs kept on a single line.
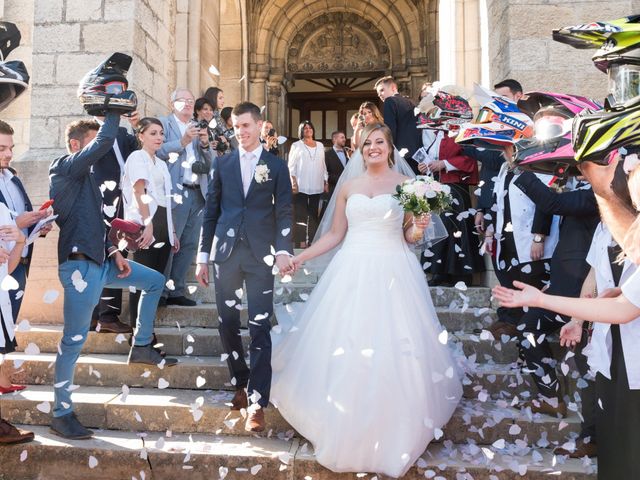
[[206, 341], [285, 293], [205, 457], [481, 381], [206, 315], [195, 411]]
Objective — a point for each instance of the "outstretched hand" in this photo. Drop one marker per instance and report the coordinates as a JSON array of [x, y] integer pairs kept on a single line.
[[524, 296], [571, 333]]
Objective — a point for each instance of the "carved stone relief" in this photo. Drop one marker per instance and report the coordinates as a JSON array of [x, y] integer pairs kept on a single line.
[[338, 42]]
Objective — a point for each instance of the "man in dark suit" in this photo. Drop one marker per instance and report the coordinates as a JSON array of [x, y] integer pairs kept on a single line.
[[108, 173], [568, 271], [400, 117], [14, 196], [247, 216], [336, 159]]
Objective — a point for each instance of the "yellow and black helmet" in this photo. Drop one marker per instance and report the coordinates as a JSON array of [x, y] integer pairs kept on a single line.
[[595, 134]]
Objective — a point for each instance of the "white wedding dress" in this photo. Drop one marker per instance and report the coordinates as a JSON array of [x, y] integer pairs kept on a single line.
[[360, 369]]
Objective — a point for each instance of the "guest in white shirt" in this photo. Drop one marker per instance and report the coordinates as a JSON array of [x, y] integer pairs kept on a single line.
[[146, 192], [309, 179]]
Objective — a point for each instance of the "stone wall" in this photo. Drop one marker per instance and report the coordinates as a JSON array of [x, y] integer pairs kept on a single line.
[[61, 42], [521, 46]]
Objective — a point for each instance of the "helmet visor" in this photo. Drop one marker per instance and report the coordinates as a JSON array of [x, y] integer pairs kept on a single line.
[[551, 126], [624, 82], [115, 88]]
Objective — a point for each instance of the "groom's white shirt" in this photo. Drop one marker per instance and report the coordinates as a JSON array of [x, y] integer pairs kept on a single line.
[[203, 257]]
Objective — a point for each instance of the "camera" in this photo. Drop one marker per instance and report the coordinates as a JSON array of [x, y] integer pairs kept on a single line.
[[271, 133], [214, 135], [361, 119]]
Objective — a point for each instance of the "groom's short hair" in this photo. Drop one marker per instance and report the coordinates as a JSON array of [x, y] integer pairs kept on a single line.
[[247, 107]]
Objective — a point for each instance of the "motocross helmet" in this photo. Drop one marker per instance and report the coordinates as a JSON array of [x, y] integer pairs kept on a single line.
[[444, 111], [14, 78], [597, 133], [498, 123], [550, 150], [105, 87]]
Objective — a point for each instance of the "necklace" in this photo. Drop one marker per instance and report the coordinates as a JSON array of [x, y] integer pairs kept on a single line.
[[311, 151]]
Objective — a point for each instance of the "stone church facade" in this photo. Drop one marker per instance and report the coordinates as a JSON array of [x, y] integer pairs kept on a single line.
[[298, 58]]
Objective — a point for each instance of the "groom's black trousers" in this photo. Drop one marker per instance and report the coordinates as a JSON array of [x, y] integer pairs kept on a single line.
[[242, 266]]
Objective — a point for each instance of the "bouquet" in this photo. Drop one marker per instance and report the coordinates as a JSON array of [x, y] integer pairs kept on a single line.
[[423, 195]]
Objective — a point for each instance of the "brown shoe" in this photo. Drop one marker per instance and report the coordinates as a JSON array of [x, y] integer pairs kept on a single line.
[[582, 450], [113, 327], [499, 328], [255, 421], [542, 406], [239, 400], [10, 434]]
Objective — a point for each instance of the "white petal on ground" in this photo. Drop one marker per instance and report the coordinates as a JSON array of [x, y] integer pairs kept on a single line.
[[50, 296]]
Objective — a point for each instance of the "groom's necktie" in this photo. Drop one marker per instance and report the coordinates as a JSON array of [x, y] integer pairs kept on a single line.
[[247, 171]]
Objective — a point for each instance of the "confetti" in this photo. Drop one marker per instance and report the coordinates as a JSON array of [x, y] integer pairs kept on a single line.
[[44, 407], [9, 283], [214, 71], [23, 455], [93, 461], [162, 383], [50, 296]]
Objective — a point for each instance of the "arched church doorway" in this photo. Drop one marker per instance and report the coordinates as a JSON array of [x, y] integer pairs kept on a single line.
[[319, 62]]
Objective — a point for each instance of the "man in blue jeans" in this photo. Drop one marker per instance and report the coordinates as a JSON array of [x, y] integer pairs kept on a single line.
[[88, 263]]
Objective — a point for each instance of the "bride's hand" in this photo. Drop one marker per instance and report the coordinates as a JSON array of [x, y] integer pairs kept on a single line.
[[296, 263], [421, 222]]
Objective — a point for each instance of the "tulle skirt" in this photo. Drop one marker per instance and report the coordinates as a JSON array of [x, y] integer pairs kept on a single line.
[[363, 369]]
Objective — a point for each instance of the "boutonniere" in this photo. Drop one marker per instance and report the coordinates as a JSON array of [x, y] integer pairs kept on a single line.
[[262, 172]]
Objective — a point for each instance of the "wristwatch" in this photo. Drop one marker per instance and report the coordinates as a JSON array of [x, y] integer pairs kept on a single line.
[[537, 238]]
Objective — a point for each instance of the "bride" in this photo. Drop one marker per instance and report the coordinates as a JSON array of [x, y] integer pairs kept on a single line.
[[362, 372]]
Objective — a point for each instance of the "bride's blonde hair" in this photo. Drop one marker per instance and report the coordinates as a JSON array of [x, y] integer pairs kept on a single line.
[[386, 133]]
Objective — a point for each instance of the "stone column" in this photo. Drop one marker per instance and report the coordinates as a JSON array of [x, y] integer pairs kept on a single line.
[[274, 112]]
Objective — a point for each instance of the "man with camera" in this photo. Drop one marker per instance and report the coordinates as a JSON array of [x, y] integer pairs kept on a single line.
[[269, 138], [188, 154]]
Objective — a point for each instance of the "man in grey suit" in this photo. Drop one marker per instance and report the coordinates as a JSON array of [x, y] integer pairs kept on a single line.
[[188, 155]]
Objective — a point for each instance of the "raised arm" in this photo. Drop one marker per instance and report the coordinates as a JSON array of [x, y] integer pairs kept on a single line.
[[79, 164]]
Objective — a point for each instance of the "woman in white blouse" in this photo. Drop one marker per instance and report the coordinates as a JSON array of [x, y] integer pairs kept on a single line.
[[147, 194], [309, 179]]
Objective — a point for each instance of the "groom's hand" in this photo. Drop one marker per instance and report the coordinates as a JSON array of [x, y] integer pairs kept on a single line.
[[202, 274], [284, 264]]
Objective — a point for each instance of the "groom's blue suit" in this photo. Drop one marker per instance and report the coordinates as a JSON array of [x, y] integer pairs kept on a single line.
[[242, 234]]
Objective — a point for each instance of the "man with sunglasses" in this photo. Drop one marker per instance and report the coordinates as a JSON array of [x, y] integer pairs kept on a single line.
[[188, 155]]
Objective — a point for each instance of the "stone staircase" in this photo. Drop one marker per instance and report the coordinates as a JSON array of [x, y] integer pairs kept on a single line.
[[175, 422]]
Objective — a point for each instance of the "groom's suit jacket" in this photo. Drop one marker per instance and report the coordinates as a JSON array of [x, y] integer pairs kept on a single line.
[[263, 218]]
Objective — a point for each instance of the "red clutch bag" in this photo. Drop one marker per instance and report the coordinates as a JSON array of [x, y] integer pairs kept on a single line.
[[125, 230]]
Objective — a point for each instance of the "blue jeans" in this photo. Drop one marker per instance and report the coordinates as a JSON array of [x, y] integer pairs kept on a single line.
[[78, 306]]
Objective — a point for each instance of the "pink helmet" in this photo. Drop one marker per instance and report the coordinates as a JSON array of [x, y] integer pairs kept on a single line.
[[550, 150]]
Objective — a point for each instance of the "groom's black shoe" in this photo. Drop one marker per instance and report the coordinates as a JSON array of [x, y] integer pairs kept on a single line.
[[239, 400], [255, 421]]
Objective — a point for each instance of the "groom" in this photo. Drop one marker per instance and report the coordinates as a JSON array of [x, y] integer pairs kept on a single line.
[[247, 228]]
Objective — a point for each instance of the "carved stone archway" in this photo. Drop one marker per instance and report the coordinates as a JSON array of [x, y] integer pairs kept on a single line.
[[338, 42], [287, 35]]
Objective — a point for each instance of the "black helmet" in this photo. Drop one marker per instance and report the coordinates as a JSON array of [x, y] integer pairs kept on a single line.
[[14, 80], [9, 39], [105, 87]]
